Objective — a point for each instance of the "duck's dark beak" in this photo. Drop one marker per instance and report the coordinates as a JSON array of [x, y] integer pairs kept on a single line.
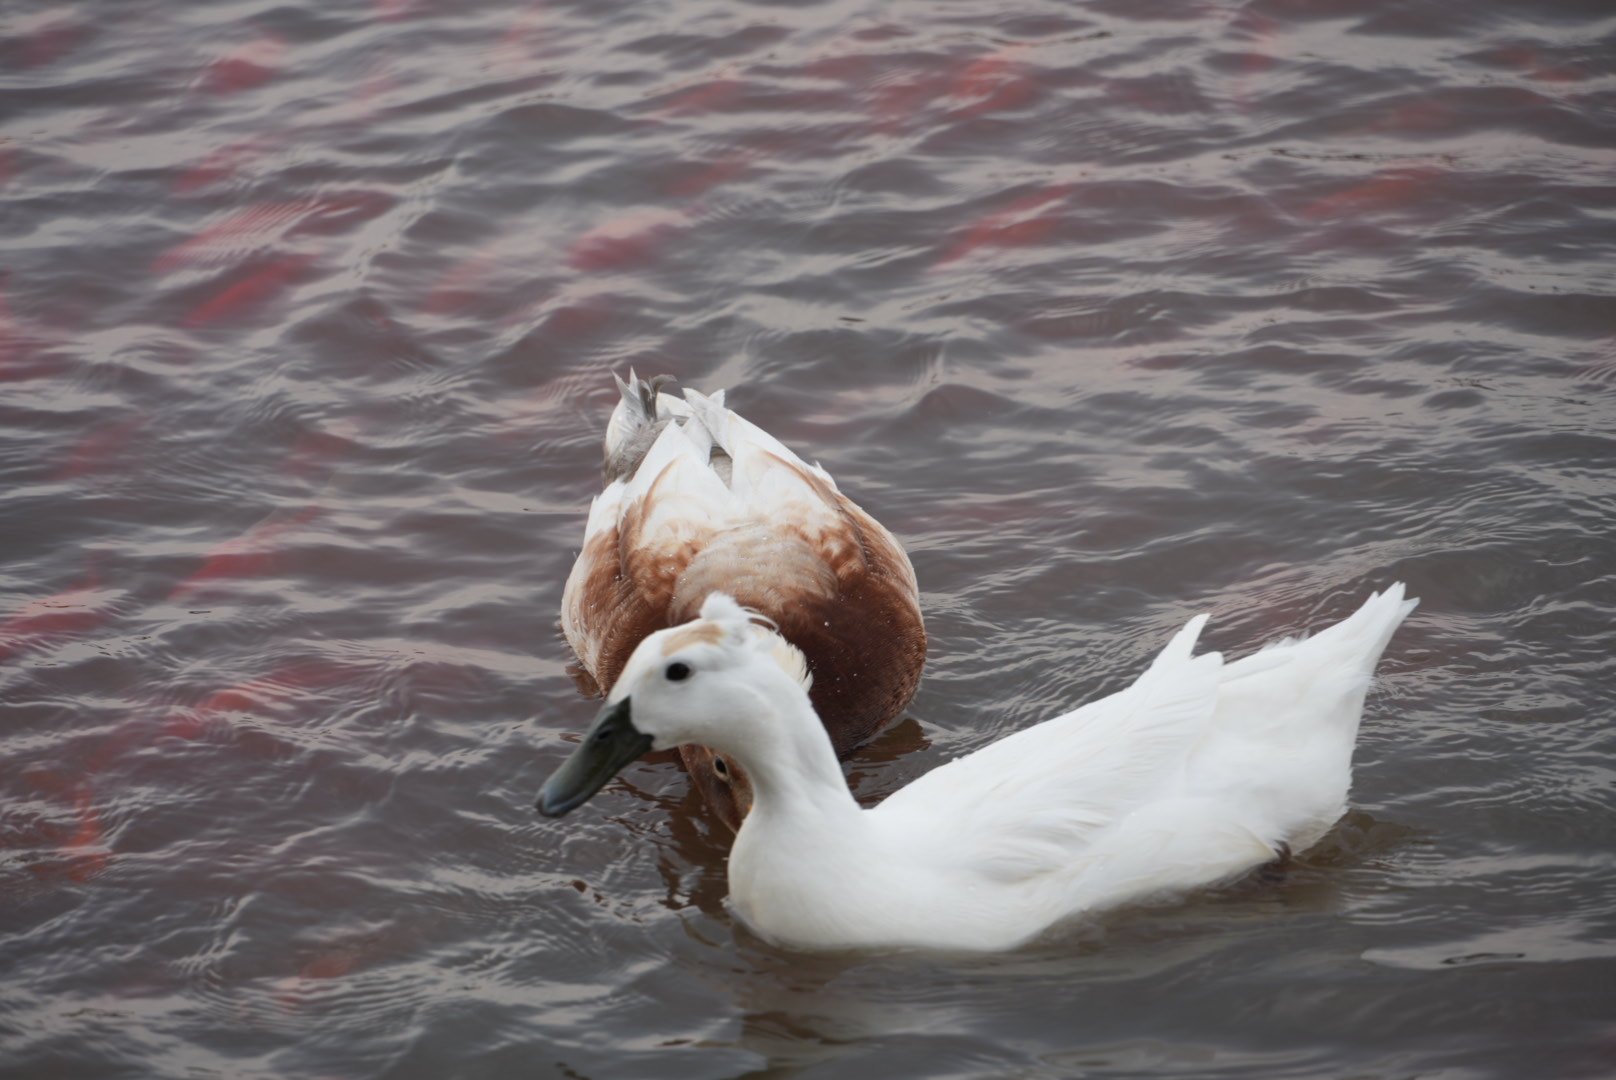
[[612, 742]]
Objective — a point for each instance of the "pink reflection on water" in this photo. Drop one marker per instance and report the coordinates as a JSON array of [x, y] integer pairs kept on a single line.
[[243, 230], [86, 851], [1386, 190], [223, 163], [44, 38], [999, 81], [1259, 32], [625, 240], [462, 284], [246, 66], [264, 284], [284, 683], [69, 612], [715, 92], [1027, 220], [731, 166], [99, 449], [251, 554], [519, 46]]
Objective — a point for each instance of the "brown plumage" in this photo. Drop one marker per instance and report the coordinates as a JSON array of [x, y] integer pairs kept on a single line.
[[698, 500]]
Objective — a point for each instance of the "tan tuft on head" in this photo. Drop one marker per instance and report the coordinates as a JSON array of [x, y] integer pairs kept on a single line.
[[696, 633], [787, 655], [721, 615]]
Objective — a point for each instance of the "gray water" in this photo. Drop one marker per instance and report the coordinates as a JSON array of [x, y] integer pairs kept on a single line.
[[1113, 313]]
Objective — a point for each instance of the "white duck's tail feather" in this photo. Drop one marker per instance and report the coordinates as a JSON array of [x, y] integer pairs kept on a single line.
[[1374, 621], [1355, 642], [1180, 648], [1281, 741], [1367, 631]]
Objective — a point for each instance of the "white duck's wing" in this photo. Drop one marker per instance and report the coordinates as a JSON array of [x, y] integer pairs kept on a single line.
[[1037, 803]]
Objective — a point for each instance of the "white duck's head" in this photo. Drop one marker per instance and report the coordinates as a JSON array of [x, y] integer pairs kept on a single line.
[[709, 682]]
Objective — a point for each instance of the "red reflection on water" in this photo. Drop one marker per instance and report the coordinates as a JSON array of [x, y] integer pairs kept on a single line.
[[568, 319], [998, 81], [71, 611], [462, 283], [367, 104], [240, 231], [98, 449], [46, 37], [1529, 60], [195, 722], [317, 451], [1026, 221], [708, 95], [250, 554], [245, 66], [1260, 31], [222, 163], [1388, 189], [333, 213], [86, 851], [250, 291], [722, 171], [260, 223], [894, 103], [1415, 116], [12, 339], [625, 240], [393, 10], [358, 110], [580, 319], [80, 849], [286, 681], [518, 47], [338, 959]]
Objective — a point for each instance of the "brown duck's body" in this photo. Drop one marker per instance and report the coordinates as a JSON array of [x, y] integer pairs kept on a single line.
[[699, 501]]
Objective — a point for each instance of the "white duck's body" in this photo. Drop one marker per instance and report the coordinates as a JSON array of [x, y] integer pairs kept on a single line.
[[1198, 772]]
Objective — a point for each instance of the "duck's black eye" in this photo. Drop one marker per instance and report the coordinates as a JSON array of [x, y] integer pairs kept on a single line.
[[677, 671], [721, 767]]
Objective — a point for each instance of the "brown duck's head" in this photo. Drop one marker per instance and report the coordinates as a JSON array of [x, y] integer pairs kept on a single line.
[[721, 782]]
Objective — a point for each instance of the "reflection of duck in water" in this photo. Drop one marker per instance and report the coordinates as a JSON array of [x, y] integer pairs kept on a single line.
[[1196, 773], [698, 501]]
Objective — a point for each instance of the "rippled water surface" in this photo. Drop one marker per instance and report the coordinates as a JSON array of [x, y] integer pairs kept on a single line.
[[1114, 312]]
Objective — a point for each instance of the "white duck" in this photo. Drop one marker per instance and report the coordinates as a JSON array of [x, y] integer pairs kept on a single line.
[[697, 501], [1196, 773]]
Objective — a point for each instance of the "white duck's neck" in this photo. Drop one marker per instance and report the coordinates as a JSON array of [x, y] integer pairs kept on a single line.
[[803, 858], [795, 776]]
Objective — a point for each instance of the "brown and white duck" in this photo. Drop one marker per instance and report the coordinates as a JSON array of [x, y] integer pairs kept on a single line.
[[700, 501]]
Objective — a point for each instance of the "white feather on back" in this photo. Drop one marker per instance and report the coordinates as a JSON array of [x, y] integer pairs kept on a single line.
[[1016, 804]]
